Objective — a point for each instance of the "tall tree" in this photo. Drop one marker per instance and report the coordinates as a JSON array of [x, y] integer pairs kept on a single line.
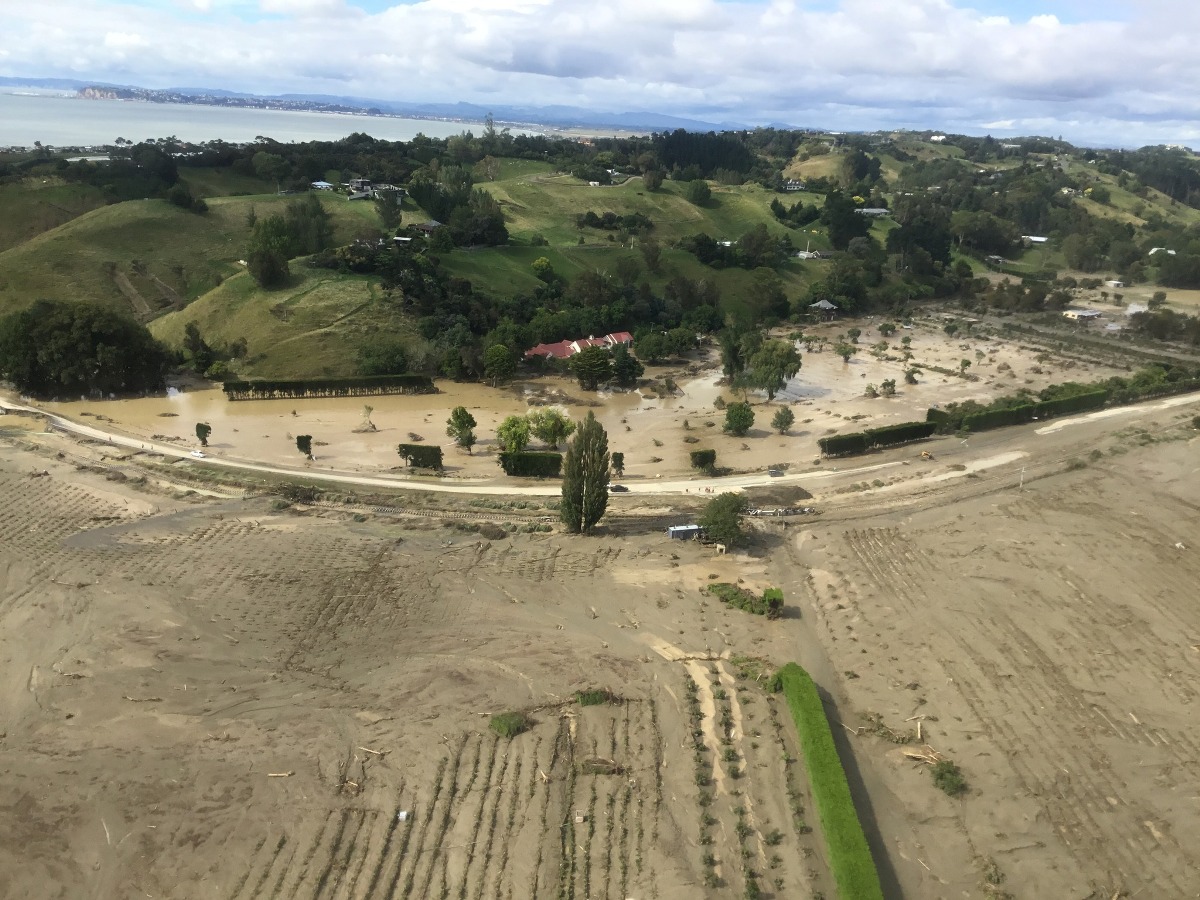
[[267, 253], [739, 418], [387, 206], [721, 519], [626, 367], [783, 419], [202, 433], [460, 426], [304, 444], [585, 477]]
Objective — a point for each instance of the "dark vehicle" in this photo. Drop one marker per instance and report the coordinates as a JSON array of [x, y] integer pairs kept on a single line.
[[618, 489], [775, 473]]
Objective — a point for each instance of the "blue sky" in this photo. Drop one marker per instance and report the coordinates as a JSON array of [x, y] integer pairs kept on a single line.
[[1100, 72]]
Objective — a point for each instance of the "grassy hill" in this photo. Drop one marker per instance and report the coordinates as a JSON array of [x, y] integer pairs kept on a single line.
[[37, 204], [188, 253]]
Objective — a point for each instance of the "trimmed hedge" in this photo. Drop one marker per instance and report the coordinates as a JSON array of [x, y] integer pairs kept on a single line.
[[353, 386], [531, 464], [1027, 412], [843, 444], [887, 436], [425, 456], [704, 460], [850, 860]]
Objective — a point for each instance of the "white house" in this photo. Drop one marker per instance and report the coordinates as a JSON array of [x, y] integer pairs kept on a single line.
[[1114, 284], [1081, 315]]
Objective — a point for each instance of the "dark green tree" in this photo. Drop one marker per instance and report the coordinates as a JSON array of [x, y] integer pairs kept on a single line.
[[55, 348], [387, 207], [304, 444], [202, 433], [460, 426], [626, 367], [783, 419], [268, 251], [592, 366], [513, 434], [618, 462], [842, 221], [585, 477], [739, 418], [499, 364], [721, 519], [382, 356], [198, 352], [699, 192]]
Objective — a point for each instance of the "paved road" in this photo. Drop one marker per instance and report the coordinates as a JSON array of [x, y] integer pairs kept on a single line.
[[976, 459]]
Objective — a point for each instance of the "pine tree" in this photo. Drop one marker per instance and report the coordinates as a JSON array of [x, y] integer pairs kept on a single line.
[[585, 477]]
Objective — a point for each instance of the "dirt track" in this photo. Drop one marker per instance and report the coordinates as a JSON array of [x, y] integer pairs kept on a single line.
[[161, 665]]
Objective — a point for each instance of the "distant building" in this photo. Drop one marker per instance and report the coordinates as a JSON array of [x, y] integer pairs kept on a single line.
[[429, 227], [360, 184], [1154, 250], [567, 349], [684, 532], [1114, 283], [322, 186], [792, 185], [937, 138], [1031, 239], [874, 211], [1081, 315]]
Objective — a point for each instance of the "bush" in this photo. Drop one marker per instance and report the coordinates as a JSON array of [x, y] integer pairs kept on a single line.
[[770, 604], [510, 724], [596, 697], [850, 860], [843, 444], [948, 776], [704, 460], [531, 464]]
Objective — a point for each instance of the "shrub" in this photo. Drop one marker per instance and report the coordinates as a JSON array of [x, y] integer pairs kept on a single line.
[[850, 860], [595, 697], [510, 724], [770, 604], [704, 460], [948, 776], [425, 456]]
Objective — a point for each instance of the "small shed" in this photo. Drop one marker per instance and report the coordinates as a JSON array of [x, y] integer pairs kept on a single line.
[[684, 532]]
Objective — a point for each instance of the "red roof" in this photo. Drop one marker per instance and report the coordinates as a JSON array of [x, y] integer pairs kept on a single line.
[[621, 337], [561, 350]]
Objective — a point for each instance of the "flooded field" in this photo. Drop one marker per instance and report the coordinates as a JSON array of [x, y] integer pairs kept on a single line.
[[655, 430]]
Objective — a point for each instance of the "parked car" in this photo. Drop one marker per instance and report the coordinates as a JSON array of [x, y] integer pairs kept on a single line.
[[199, 454], [775, 473], [618, 489]]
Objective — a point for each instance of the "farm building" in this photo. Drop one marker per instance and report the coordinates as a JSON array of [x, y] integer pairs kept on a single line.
[[567, 349], [1081, 315], [684, 532], [1114, 283]]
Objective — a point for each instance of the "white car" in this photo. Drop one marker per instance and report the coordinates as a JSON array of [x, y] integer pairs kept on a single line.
[[199, 454]]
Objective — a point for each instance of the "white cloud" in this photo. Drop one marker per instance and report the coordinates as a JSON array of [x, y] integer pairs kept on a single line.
[[860, 64]]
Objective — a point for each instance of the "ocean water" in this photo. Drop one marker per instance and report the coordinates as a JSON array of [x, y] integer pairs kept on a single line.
[[59, 121]]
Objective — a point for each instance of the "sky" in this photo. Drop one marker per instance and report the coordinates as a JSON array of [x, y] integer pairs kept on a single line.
[[1096, 72]]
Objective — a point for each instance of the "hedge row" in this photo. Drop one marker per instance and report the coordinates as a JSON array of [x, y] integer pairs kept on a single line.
[[531, 464], [1027, 412], [850, 860], [426, 456], [770, 604], [353, 386], [887, 436]]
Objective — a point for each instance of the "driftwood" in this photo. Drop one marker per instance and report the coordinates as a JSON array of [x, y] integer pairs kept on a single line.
[[280, 774], [925, 754]]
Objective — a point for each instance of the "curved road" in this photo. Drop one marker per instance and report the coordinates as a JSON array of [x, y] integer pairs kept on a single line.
[[490, 487]]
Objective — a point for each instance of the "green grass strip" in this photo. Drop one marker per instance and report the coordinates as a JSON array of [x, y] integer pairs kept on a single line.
[[849, 856]]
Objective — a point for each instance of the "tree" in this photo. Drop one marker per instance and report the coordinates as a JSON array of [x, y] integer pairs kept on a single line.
[[197, 350], [387, 206], [513, 434], [651, 254], [544, 270], [844, 350], [55, 348], [888, 387], [383, 356], [585, 477], [626, 367], [772, 365], [592, 366], [739, 418], [854, 334], [460, 426], [699, 192], [652, 179], [783, 419], [721, 519], [887, 329], [499, 364], [618, 462], [304, 444], [550, 426], [202, 433], [267, 253]]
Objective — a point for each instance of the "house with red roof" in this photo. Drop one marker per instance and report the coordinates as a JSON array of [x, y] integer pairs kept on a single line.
[[567, 349]]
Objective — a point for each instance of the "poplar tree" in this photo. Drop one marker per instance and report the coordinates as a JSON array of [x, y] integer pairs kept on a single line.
[[585, 477]]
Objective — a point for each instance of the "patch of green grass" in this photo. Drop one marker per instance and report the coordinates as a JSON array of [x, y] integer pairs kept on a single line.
[[37, 204], [211, 181], [850, 860], [949, 777], [596, 697], [510, 724]]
